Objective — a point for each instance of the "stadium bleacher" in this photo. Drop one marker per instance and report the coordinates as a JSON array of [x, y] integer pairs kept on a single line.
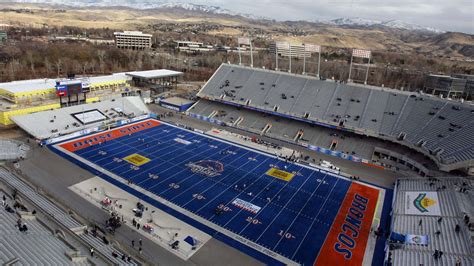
[[34, 253], [36, 246], [13, 150], [439, 217], [440, 129], [286, 129]]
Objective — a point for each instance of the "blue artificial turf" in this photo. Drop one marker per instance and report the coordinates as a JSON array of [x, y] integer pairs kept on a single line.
[[294, 223]]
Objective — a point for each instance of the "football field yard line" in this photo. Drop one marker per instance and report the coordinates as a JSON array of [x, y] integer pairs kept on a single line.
[[314, 220], [203, 179], [177, 208], [171, 151], [299, 212], [143, 171], [284, 207], [180, 171], [124, 140], [227, 188], [301, 195], [111, 142], [195, 174], [240, 193], [124, 174], [263, 208], [248, 173], [122, 143]]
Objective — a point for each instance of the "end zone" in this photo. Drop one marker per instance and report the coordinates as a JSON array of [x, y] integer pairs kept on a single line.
[[347, 240]]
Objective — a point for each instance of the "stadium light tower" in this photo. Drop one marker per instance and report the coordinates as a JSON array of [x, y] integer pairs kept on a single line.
[[282, 46], [312, 48], [361, 54], [289, 51], [251, 53], [248, 42]]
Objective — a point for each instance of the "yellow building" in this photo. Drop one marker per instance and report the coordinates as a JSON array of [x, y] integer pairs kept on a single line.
[[29, 96]]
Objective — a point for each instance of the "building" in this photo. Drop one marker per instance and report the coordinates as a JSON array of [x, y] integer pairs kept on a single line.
[[176, 103], [29, 96], [3, 37], [135, 40], [295, 50], [81, 39], [188, 46], [157, 80], [454, 86]]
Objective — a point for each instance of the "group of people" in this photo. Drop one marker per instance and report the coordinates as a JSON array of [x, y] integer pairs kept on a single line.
[[21, 226], [140, 245], [437, 254], [113, 222]]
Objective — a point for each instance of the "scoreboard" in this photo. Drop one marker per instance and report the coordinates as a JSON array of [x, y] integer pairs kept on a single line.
[[67, 88]]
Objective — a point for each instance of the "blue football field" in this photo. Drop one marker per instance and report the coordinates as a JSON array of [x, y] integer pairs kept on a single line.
[[226, 184]]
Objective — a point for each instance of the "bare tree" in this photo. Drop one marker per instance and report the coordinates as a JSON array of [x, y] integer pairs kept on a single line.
[[101, 55], [29, 55], [58, 64]]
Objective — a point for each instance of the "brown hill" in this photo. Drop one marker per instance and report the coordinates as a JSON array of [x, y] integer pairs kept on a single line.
[[454, 45]]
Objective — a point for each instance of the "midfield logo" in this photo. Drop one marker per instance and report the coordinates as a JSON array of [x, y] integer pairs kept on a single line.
[[208, 168]]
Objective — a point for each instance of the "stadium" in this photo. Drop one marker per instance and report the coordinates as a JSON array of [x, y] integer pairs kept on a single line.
[[264, 167]]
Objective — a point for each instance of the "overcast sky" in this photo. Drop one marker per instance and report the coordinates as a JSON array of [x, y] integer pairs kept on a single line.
[[448, 15]]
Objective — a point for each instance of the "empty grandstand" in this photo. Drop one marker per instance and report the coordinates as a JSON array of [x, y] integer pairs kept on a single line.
[[55, 239], [12, 150], [438, 128], [432, 222], [354, 147]]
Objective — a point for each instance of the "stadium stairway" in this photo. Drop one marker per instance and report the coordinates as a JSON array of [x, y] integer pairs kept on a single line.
[[62, 218]]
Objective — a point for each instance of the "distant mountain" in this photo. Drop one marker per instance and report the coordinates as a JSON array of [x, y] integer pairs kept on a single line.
[[143, 4], [209, 9], [206, 9], [395, 24], [394, 36]]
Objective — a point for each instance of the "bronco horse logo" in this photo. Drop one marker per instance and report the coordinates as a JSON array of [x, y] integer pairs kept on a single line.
[[208, 168]]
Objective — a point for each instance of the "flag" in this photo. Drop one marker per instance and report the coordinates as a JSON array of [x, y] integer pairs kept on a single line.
[[361, 53], [312, 48], [245, 41]]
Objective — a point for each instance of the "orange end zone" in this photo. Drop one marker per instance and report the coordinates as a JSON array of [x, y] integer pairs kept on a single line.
[[347, 239], [101, 137]]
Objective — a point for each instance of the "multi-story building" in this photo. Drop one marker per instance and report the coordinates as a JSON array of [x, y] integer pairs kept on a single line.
[[285, 50], [454, 86], [135, 40]]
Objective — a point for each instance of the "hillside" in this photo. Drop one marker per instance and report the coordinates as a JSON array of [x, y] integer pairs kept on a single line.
[[339, 33]]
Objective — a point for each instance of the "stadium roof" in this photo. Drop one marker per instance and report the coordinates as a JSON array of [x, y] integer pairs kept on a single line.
[[44, 84], [28, 85], [22, 86], [154, 74]]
